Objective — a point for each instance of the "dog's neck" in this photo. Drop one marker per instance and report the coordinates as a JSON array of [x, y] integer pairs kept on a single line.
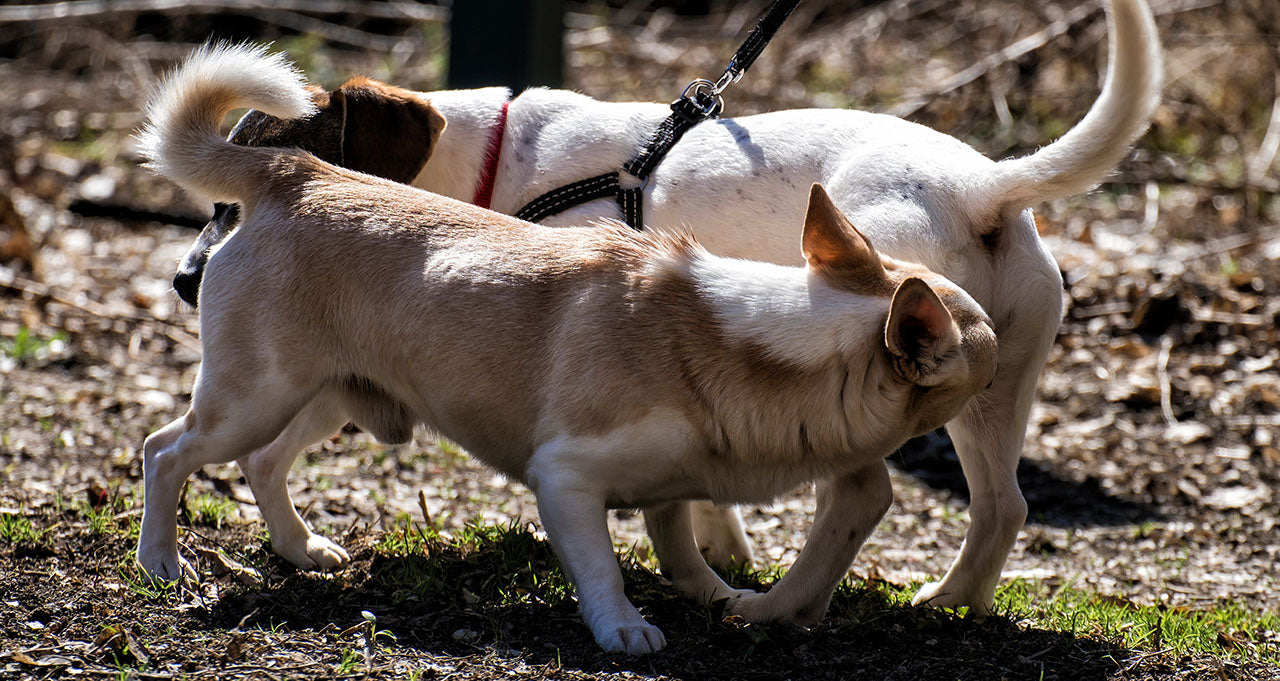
[[790, 312], [458, 158], [827, 394]]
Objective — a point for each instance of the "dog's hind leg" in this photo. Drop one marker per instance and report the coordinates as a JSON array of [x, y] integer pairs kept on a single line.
[[158, 538], [267, 470], [849, 508], [720, 536], [989, 453], [216, 429], [671, 530], [988, 436]]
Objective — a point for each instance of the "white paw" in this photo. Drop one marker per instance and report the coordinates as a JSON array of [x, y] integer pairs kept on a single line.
[[938, 595], [759, 608], [316, 553], [640, 638], [708, 591], [165, 565], [751, 606], [721, 598]]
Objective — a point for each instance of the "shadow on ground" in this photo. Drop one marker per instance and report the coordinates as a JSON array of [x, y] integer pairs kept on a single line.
[[1052, 499], [508, 599]]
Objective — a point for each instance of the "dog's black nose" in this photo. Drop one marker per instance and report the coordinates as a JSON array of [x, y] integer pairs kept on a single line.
[[187, 284]]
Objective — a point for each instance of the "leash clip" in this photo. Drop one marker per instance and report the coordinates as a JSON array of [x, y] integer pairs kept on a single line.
[[704, 96], [731, 75]]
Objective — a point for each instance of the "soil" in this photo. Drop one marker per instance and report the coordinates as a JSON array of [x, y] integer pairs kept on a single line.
[[1151, 467]]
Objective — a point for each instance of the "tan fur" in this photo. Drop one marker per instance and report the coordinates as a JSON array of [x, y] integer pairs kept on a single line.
[[600, 366]]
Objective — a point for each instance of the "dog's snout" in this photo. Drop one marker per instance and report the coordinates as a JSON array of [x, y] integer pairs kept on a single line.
[[187, 284]]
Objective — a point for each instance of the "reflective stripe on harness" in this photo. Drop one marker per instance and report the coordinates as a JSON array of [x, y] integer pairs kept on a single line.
[[700, 101]]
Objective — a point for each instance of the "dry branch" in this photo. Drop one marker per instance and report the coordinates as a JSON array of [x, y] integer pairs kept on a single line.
[[1028, 44], [95, 8]]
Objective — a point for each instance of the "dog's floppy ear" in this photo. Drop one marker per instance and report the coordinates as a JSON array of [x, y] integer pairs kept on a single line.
[[388, 132], [920, 332], [319, 133], [832, 242]]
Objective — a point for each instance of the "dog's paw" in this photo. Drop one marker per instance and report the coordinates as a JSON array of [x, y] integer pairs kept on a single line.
[[165, 566], [749, 605], [720, 600], [639, 638], [938, 595], [316, 553], [759, 608]]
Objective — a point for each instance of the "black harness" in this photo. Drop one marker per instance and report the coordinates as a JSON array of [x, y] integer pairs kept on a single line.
[[700, 101]]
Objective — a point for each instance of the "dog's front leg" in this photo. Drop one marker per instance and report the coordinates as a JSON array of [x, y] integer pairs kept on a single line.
[[671, 530], [267, 470], [573, 513], [848, 509]]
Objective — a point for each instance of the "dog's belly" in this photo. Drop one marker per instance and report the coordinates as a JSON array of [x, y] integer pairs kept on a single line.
[[723, 482], [659, 459]]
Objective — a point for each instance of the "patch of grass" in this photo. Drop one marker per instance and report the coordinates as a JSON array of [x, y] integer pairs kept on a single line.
[[18, 530], [210, 510], [107, 514], [452, 453], [510, 566], [26, 346], [153, 591], [1226, 629], [406, 538], [502, 564], [350, 659]]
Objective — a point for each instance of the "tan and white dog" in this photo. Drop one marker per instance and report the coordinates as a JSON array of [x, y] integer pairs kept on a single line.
[[739, 185], [602, 367]]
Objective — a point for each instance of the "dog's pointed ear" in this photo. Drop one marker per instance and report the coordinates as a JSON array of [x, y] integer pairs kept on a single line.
[[831, 241], [388, 131], [920, 331]]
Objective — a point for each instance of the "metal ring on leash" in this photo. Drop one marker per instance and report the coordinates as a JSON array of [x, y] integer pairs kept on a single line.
[[700, 100], [706, 96]]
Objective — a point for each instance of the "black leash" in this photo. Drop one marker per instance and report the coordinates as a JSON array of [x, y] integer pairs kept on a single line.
[[700, 101]]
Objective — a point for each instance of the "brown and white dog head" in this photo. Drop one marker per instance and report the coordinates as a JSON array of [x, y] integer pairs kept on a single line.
[[936, 336], [349, 129]]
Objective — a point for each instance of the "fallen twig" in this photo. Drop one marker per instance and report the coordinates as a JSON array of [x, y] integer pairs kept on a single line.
[[1166, 384], [1028, 44], [1261, 161], [96, 8]]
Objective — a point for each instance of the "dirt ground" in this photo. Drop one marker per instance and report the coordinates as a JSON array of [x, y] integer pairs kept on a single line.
[[1152, 467]]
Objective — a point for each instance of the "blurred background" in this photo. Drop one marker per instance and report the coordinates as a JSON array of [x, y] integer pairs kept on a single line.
[[1151, 464]]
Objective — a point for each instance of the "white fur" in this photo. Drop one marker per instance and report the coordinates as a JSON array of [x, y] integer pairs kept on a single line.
[[243, 76], [918, 194], [740, 185], [775, 307]]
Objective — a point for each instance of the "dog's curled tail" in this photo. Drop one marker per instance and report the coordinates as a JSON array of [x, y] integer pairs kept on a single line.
[[181, 139], [1085, 154]]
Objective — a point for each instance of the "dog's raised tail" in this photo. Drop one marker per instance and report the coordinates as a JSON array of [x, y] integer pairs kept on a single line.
[[181, 138], [1082, 157]]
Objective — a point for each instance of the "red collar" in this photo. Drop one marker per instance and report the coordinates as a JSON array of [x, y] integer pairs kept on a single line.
[[488, 174]]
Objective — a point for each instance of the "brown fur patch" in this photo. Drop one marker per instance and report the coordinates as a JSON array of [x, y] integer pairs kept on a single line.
[[389, 131]]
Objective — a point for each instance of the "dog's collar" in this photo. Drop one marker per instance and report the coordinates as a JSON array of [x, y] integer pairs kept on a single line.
[[489, 173]]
